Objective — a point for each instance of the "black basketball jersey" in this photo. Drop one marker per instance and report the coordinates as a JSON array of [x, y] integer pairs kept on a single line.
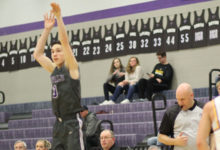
[[13, 56], [157, 35], [213, 29], [23, 54], [75, 44], [185, 32], [86, 51], [108, 42], [120, 40], [97, 52], [199, 30], [66, 93], [171, 34], [4, 57], [31, 60], [145, 37], [132, 38]]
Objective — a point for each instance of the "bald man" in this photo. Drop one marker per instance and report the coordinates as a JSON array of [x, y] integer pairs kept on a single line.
[[210, 120], [107, 140], [180, 122]]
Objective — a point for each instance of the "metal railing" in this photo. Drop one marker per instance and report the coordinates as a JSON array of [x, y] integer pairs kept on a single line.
[[211, 83], [143, 145], [2, 97], [154, 109]]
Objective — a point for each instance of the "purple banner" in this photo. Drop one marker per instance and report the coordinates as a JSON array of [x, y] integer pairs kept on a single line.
[[114, 12]]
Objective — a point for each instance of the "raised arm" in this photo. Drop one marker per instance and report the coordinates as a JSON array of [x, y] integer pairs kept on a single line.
[[44, 61], [70, 60]]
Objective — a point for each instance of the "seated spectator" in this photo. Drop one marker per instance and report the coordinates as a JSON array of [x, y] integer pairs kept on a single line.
[[180, 122], [107, 140], [133, 74], [154, 147], [159, 80], [20, 145], [90, 122], [43, 145], [116, 75]]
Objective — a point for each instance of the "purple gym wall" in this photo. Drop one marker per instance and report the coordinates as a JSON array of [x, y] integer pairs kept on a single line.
[[107, 13]]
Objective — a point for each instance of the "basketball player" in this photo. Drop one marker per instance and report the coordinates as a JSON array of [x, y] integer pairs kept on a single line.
[[210, 119], [67, 130]]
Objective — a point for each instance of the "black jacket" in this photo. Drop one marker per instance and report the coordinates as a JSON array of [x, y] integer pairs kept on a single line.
[[114, 147]]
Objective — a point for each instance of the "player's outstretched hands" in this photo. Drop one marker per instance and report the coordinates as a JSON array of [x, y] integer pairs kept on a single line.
[[49, 20], [56, 9]]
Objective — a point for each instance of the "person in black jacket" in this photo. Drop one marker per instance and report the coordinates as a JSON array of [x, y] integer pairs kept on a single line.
[[90, 124], [107, 140], [160, 79]]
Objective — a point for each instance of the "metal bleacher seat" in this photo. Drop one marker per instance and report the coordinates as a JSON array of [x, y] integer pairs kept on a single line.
[[4, 116]]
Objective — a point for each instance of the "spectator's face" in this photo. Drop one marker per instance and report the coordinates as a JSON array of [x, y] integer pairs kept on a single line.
[[83, 113], [117, 63], [133, 62], [40, 146], [161, 59], [19, 146], [106, 140]]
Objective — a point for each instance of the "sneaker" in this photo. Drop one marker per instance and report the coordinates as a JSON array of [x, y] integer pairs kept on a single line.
[[111, 102], [143, 100], [126, 101], [104, 103], [135, 100]]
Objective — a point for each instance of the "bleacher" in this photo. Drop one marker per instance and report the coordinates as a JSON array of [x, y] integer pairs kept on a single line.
[[132, 122]]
